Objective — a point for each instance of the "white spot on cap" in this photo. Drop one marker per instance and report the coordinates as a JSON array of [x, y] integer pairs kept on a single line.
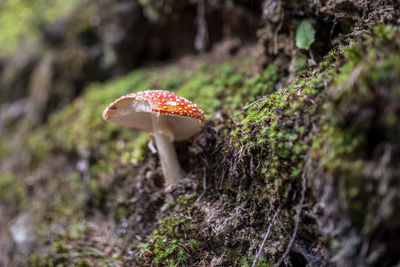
[[171, 103]]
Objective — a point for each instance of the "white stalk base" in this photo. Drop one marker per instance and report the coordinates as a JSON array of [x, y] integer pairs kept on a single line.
[[169, 161]]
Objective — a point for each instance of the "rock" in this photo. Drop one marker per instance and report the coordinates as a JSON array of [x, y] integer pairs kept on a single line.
[[22, 233]]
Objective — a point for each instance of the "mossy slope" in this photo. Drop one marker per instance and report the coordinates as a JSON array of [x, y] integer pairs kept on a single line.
[[357, 149]]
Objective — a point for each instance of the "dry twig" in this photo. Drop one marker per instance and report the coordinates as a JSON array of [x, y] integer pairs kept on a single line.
[[255, 102], [264, 240]]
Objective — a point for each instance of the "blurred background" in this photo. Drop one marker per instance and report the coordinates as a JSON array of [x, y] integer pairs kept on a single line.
[[76, 191], [51, 50]]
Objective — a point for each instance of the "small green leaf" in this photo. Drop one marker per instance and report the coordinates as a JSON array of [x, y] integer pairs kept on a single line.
[[305, 34]]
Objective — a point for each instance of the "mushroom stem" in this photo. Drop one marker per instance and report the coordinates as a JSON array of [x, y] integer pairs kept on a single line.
[[169, 161]]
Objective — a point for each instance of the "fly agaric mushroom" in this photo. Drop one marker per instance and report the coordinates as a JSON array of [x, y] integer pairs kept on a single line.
[[166, 116]]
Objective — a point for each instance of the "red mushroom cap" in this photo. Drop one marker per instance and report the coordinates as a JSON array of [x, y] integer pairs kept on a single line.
[[135, 111]]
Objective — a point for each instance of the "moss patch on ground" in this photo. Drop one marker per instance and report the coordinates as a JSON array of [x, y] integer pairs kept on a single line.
[[357, 146], [106, 162], [275, 133]]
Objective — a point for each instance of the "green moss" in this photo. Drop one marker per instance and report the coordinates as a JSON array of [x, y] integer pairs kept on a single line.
[[59, 247], [64, 252], [227, 87], [276, 131], [361, 118], [171, 80], [83, 263], [12, 191], [79, 127], [262, 262], [42, 261], [169, 244], [301, 62], [78, 130]]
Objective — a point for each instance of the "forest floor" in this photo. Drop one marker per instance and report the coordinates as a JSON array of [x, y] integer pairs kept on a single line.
[[298, 159]]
